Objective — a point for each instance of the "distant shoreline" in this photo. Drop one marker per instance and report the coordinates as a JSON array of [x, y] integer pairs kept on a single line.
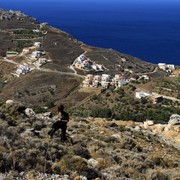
[[148, 38]]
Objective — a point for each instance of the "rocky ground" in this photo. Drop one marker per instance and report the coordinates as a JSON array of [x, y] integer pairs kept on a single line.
[[101, 149]]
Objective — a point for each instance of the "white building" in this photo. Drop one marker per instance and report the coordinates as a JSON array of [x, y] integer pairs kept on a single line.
[[36, 54], [89, 76], [171, 67], [87, 83], [26, 50], [145, 76], [105, 84], [37, 44], [119, 80], [123, 59], [101, 67], [97, 78], [162, 66], [141, 94], [23, 69], [105, 77], [36, 30]]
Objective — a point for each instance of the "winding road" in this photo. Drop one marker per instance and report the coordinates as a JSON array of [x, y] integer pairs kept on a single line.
[[48, 70]]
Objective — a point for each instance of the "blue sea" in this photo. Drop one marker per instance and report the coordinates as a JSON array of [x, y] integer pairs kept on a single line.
[[147, 29]]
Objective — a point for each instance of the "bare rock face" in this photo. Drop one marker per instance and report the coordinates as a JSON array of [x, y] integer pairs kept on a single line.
[[29, 112], [174, 119], [92, 163], [149, 122], [9, 102]]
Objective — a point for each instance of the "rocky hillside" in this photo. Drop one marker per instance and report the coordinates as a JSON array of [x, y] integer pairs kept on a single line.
[[98, 149]]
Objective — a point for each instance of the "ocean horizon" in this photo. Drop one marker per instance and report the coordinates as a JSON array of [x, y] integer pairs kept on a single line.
[[148, 30]]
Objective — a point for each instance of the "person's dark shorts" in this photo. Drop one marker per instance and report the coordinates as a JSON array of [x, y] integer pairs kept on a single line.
[[57, 125]]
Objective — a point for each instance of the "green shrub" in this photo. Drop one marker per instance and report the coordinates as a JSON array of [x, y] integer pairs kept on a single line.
[[81, 151], [94, 97], [39, 110], [101, 112]]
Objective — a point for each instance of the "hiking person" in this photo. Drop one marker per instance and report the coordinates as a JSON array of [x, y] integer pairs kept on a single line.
[[61, 123]]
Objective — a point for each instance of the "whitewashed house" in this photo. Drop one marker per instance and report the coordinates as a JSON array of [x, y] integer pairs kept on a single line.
[[90, 77], [87, 83], [97, 78], [101, 67], [145, 77], [141, 94], [26, 50], [105, 80], [105, 77], [37, 44], [105, 84], [88, 80], [36, 54], [95, 67], [96, 81], [123, 59], [36, 31], [23, 69], [171, 67], [162, 66]]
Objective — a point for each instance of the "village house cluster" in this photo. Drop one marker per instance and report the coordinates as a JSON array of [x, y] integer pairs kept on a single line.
[[84, 63], [22, 69], [166, 67], [104, 80], [35, 58]]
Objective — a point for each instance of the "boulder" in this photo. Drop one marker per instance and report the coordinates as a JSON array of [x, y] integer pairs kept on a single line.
[[149, 122], [174, 119], [92, 163], [146, 126], [29, 112], [2, 116], [137, 128], [45, 116], [117, 136], [9, 102]]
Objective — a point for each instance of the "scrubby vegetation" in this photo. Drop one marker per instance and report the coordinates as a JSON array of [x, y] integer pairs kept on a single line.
[[95, 149], [120, 104], [27, 33]]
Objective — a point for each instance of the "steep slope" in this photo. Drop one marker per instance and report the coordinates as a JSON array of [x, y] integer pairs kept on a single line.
[[96, 148]]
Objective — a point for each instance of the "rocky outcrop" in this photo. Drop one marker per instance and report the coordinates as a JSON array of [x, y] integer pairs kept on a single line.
[[174, 119], [16, 15]]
